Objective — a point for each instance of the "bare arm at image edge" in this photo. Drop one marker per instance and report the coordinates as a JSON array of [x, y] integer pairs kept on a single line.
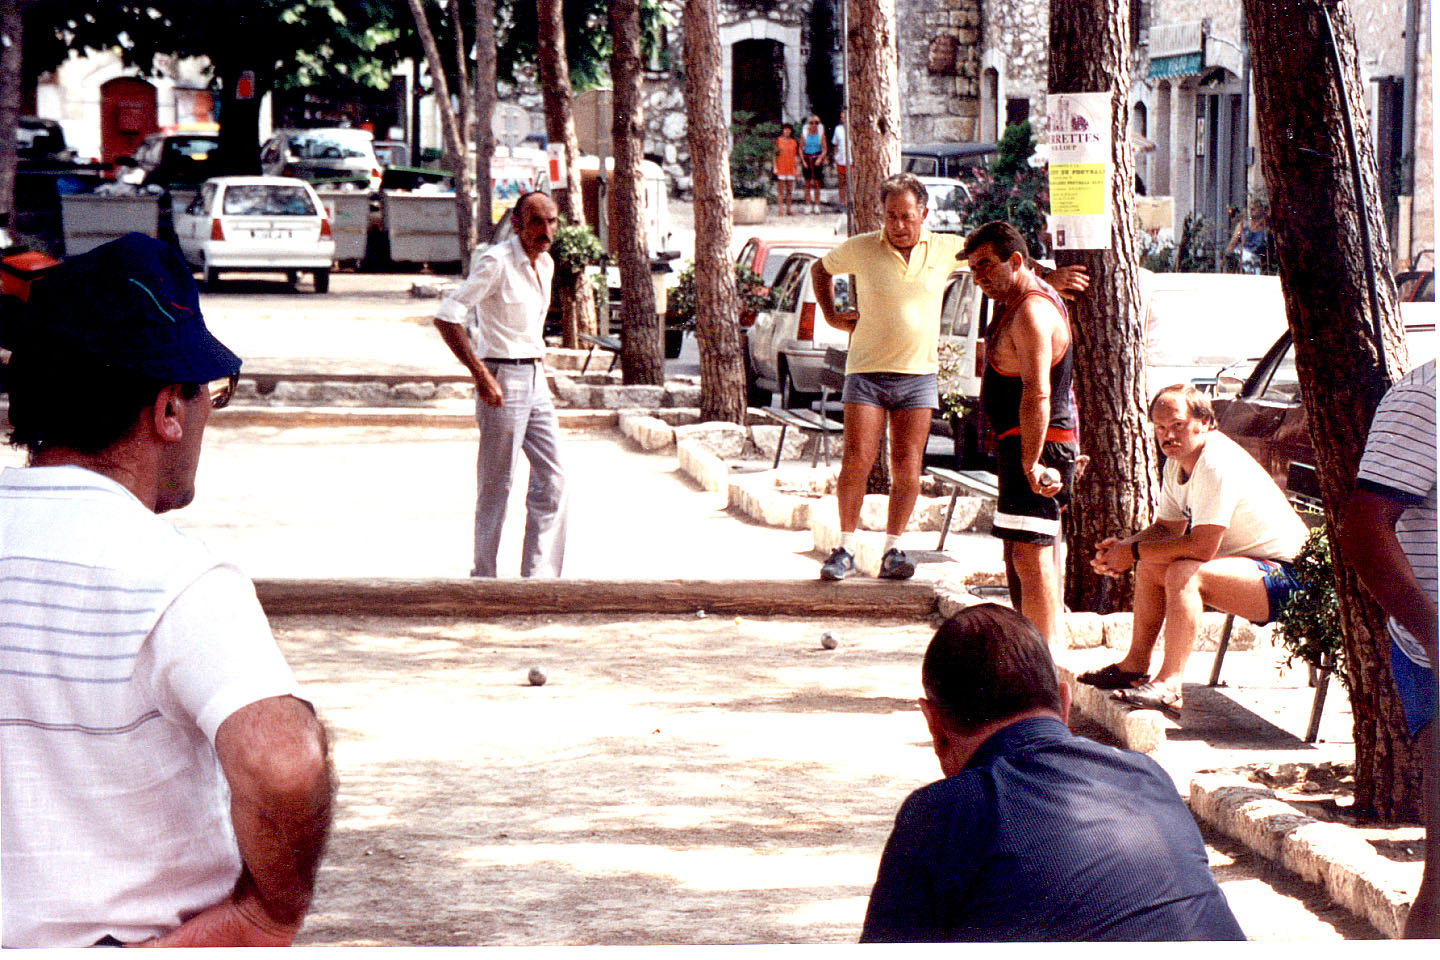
[[275, 756]]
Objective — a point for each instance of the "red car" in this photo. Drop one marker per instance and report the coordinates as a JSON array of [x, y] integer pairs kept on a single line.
[[765, 256]]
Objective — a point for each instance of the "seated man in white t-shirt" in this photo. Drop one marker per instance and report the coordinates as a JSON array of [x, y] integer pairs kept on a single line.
[[1224, 535]]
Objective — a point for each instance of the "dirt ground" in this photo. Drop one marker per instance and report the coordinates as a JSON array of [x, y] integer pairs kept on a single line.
[[692, 780]]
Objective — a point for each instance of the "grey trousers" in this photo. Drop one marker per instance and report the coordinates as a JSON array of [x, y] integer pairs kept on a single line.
[[525, 423]]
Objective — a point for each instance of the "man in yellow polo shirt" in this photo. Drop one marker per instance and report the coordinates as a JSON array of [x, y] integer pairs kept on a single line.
[[900, 276]]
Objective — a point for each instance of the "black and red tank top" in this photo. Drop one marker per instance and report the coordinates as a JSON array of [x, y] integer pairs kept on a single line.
[[1000, 393]]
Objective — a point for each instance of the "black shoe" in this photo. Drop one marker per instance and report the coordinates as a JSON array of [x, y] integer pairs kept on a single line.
[[895, 565], [1113, 677], [839, 565]]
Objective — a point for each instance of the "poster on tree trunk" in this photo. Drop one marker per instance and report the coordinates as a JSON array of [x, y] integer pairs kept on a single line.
[[1081, 170]]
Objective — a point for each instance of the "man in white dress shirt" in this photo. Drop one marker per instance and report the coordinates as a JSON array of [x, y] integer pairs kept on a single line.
[[503, 304]]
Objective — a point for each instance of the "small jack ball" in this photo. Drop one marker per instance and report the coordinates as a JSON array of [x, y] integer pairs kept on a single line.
[[829, 641], [537, 676]]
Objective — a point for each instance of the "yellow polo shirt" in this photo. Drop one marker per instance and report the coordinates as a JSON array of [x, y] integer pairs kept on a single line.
[[899, 301]]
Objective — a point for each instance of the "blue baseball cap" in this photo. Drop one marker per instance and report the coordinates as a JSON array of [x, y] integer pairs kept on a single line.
[[130, 303]]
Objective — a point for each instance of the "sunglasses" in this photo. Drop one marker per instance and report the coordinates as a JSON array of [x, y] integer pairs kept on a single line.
[[222, 391]]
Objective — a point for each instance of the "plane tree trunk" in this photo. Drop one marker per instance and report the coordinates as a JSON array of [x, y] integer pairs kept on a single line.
[[717, 327], [1089, 54], [642, 353], [1301, 105]]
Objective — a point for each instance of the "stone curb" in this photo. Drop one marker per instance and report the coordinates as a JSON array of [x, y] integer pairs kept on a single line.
[[1331, 855], [459, 415]]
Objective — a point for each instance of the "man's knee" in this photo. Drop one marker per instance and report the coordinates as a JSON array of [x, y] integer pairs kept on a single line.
[[1182, 574]]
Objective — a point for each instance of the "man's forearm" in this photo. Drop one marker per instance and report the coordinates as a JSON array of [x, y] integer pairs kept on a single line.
[[458, 341], [1034, 422], [281, 793]]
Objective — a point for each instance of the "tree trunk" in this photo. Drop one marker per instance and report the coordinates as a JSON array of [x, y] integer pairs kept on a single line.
[[12, 33], [484, 113], [577, 306], [873, 126], [642, 354], [450, 124], [1323, 259], [717, 327], [1089, 52], [874, 119]]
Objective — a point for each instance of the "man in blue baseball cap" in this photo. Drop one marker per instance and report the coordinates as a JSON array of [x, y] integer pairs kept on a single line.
[[161, 780]]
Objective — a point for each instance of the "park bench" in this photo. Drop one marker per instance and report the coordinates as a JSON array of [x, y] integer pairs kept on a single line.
[[816, 420], [981, 483], [604, 343]]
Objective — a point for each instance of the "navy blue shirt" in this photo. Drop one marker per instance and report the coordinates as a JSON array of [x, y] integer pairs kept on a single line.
[[1047, 836]]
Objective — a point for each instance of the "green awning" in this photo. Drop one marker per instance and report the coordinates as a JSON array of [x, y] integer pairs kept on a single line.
[[1180, 65]]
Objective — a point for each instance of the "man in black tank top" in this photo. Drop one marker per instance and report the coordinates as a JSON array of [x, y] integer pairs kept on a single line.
[[1025, 392]]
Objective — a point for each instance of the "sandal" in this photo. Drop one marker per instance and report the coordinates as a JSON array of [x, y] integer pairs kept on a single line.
[[1113, 678], [1151, 696]]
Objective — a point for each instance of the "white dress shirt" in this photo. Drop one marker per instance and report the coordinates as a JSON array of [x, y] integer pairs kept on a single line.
[[503, 302]]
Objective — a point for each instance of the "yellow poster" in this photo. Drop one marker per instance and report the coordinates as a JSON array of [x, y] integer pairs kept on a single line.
[[1077, 189], [1081, 170]]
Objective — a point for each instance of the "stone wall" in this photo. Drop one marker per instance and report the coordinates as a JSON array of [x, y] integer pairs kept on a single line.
[[938, 47]]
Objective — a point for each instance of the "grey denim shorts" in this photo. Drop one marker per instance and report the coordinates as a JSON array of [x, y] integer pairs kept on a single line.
[[892, 391]]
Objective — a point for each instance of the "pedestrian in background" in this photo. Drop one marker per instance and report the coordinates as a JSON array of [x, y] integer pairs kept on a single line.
[[787, 152], [840, 150], [813, 155]]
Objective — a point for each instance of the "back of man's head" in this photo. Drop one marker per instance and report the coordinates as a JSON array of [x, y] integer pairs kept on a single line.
[[1004, 239], [987, 663], [97, 339]]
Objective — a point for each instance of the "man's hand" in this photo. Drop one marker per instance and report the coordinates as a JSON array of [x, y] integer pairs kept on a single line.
[[1044, 480], [489, 388], [844, 320], [1112, 557], [1069, 281], [240, 921]]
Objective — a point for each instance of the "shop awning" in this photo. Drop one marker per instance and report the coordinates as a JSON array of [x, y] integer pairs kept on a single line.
[[1179, 65]]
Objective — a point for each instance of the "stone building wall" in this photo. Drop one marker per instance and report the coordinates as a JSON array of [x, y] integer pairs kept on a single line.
[[939, 60], [1014, 43]]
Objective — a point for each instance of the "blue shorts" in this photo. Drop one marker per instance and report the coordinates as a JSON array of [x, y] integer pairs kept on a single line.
[[1280, 584], [893, 391], [1416, 686]]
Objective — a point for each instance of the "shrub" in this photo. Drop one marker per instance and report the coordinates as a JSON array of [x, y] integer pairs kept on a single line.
[[1309, 624]]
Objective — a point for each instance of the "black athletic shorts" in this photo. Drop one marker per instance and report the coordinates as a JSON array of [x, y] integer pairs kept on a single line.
[[1021, 514]]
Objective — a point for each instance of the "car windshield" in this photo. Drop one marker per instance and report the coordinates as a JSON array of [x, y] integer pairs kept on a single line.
[[773, 261], [268, 200], [40, 138], [330, 145]]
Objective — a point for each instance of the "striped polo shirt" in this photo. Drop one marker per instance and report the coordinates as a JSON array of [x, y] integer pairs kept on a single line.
[[1399, 464], [124, 644]]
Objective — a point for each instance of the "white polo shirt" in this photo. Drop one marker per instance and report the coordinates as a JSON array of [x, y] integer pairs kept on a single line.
[[125, 644]]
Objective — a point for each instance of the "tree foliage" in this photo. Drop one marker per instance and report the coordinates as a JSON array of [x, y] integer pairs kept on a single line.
[[1012, 190]]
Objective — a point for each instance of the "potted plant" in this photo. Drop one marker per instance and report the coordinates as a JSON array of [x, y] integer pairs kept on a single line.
[[1309, 623], [754, 296], [752, 154], [574, 249]]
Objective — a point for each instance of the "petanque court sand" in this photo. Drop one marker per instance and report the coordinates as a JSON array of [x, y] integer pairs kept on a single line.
[[674, 781]]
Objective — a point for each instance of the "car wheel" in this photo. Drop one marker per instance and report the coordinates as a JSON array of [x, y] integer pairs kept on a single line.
[[208, 276], [322, 280], [292, 277]]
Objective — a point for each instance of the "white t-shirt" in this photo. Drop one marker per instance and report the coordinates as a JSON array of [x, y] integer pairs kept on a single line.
[[510, 299], [840, 145], [126, 646], [1399, 464], [1229, 489]]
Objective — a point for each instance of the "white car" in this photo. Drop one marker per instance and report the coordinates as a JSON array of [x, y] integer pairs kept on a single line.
[[257, 224]]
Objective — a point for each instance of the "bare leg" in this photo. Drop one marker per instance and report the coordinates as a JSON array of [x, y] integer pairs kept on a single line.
[[909, 429], [863, 424], [1149, 615], [1039, 590], [1233, 584]]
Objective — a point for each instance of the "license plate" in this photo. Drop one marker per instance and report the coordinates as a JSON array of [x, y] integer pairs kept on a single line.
[[270, 234]]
